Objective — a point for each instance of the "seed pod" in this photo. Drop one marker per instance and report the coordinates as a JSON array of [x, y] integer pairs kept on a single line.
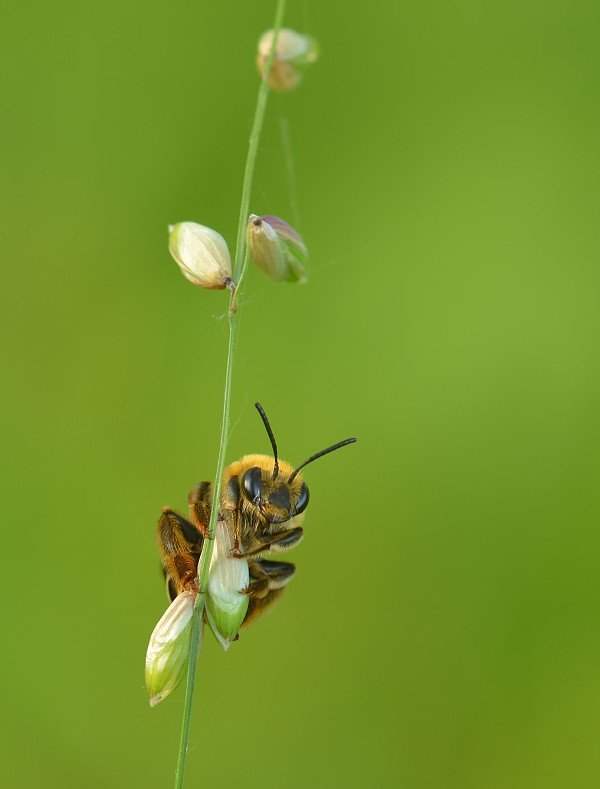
[[226, 606], [169, 647], [202, 255], [277, 249], [293, 54]]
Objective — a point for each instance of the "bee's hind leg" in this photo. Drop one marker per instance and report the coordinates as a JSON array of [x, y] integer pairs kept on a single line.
[[179, 546], [266, 575]]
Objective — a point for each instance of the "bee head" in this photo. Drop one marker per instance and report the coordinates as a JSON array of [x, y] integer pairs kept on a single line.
[[279, 494], [277, 499]]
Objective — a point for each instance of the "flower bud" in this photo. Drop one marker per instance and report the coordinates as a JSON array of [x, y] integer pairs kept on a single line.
[[276, 248], [293, 54], [169, 648], [226, 606], [202, 255]]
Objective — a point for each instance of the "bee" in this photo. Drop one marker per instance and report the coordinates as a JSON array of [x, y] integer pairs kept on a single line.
[[262, 502]]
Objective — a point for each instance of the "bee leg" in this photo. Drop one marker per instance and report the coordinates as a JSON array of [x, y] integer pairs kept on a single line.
[[278, 573], [179, 545], [266, 575], [286, 539], [257, 588], [276, 541], [230, 498], [200, 501], [171, 589], [259, 581]]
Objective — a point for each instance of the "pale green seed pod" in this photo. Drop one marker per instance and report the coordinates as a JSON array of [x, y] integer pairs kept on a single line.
[[169, 647], [276, 248], [293, 54], [202, 255], [226, 605]]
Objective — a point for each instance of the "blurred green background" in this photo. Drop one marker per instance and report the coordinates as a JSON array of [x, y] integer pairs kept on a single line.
[[443, 628]]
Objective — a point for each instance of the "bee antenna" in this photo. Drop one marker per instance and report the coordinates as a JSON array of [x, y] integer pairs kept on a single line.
[[320, 455], [263, 416]]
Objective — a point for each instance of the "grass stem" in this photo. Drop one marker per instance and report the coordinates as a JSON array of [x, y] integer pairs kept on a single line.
[[239, 269]]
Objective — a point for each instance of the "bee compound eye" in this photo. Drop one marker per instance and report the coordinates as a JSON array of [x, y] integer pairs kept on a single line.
[[302, 502], [252, 484]]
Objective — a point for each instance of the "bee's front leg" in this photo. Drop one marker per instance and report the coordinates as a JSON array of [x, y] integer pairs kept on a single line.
[[286, 539], [275, 541], [179, 545]]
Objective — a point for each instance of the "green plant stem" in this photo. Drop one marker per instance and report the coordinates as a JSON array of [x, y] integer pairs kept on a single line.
[[240, 265], [204, 564]]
